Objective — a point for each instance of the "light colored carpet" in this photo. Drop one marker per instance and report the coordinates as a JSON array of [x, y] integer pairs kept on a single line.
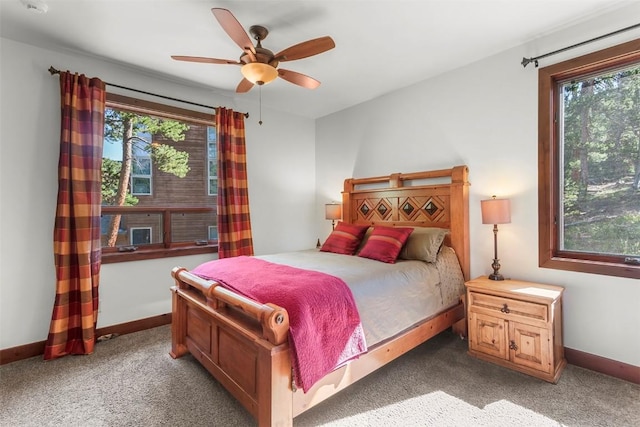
[[132, 381]]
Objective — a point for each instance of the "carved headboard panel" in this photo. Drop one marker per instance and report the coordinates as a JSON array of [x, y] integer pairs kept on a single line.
[[437, 198]]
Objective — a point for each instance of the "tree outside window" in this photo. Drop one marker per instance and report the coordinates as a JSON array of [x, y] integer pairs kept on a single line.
[[600, 136]]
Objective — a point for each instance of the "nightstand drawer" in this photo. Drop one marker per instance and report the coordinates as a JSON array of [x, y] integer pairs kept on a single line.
[[506, 307]]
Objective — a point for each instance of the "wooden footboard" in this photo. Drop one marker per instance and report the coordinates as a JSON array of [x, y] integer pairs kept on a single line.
[[244, 346]]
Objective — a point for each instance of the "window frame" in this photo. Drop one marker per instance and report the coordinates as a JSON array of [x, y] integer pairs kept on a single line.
[[132, 229], [549, 156], [168, 248]]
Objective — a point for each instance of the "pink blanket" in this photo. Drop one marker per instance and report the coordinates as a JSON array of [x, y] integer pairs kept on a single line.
[[324, 324]]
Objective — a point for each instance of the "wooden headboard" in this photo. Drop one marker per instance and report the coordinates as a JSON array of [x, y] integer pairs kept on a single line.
[[438, 198]]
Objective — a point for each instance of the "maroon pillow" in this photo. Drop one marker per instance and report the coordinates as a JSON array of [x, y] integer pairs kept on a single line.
[[384, 243], [344, 239]]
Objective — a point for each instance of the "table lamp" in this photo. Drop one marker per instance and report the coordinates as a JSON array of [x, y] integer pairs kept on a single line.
[[495, 211], [333, 211]]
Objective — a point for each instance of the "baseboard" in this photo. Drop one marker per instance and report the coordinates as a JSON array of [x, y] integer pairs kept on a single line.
[[600, 364], [36, 349], [603, 365]]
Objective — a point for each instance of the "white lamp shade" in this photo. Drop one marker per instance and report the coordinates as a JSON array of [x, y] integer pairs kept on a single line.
[[496, 211], [333, 211]]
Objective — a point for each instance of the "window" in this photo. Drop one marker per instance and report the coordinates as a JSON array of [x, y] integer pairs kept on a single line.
[[589, 163], [212, 147], [140, 235], [213, 233], [156, 178], [141, 165]]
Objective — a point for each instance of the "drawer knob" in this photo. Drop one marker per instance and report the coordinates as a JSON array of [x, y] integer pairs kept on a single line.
[[505, 309], [512, 345]]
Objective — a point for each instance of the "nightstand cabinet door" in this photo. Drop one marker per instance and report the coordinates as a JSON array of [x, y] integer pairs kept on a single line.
[[530, 346], [488, 335]]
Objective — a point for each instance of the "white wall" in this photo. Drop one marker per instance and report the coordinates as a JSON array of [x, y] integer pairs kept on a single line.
[[281, 168], [484, 115]]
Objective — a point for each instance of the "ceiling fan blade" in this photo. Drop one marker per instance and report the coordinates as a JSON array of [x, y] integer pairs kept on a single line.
[[244, 86], [205, 60], [233, 28], [298, 79], [306, 49]]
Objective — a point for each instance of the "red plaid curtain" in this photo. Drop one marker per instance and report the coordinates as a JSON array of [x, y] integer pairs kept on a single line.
[[76, 239], [234, 224]]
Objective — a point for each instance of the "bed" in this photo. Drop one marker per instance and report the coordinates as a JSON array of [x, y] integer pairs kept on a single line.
[[245, 344]]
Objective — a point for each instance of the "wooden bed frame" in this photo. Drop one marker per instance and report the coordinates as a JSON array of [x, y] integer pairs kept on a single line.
[[244, 345]]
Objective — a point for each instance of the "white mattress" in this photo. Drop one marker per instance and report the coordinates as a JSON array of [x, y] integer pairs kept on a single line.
[[390, 297]]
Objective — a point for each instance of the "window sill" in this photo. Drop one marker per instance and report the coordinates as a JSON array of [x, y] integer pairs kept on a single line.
[[594, 267], [142, 254]]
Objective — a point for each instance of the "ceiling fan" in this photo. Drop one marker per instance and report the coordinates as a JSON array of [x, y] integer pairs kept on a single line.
[[260, 65]]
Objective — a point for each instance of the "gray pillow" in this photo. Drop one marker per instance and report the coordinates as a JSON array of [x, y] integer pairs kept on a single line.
[[423, 244]]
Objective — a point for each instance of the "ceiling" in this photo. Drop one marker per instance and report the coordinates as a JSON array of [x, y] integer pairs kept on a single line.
[[381, 45]]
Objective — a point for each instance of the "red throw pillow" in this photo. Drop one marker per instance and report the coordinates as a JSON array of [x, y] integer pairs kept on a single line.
[[344, 239], [384, 243]]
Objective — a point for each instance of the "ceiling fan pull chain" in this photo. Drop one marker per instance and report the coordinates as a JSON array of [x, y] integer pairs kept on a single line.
[[260, 89]]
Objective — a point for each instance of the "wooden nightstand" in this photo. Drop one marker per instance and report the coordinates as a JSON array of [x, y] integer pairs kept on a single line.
[[517, 325]]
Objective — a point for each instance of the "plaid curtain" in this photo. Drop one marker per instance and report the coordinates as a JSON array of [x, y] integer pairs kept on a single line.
[[76, 240], [234, 224]]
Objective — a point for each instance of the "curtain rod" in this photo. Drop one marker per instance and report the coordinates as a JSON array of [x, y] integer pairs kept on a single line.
[[526, 61], [54, 71]]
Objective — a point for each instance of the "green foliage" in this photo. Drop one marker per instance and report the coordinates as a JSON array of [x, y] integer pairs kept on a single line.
[[170, 160], [618, 235], [114, 125], [571, 198], [600, 128], [601, 154], [171, 129]]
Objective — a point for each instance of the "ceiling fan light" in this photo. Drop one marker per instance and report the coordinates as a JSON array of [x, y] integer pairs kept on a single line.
[[259, 73]]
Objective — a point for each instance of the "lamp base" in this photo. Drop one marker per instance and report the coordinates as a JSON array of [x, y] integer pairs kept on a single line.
[[496, 268]]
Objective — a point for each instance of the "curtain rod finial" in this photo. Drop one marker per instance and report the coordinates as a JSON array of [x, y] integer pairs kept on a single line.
[[53, 71], [525, 61]]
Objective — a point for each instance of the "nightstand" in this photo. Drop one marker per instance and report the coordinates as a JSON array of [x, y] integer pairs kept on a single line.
[[517, 325]]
